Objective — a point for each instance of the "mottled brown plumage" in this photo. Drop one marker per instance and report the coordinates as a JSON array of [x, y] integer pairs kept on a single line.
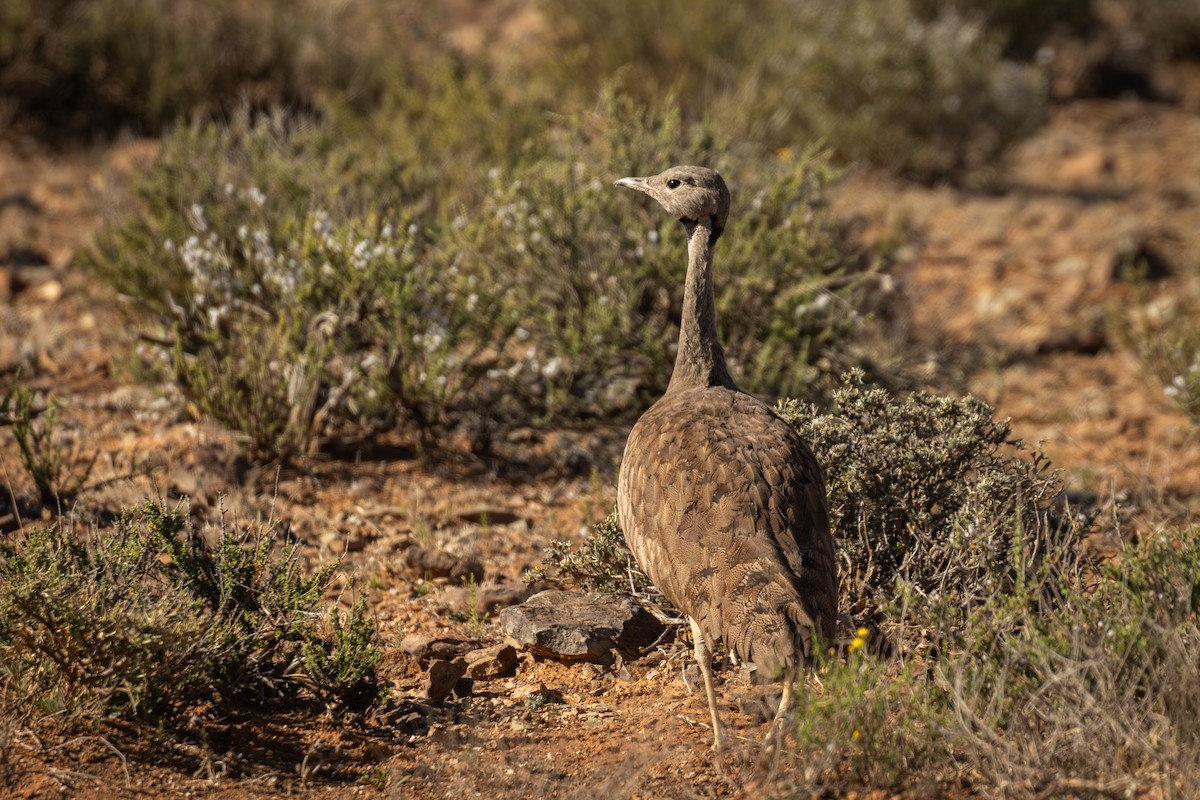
[[721, 502]]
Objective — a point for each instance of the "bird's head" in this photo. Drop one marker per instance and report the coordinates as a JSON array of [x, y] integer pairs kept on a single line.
[[690, 194]]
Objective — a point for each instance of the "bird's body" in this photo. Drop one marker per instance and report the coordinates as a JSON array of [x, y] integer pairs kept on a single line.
[[721, 502]]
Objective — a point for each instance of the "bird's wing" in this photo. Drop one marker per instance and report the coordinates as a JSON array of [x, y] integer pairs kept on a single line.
[[724, 508]]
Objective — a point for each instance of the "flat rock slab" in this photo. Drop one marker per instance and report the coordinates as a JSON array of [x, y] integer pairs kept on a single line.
[[574, 626]]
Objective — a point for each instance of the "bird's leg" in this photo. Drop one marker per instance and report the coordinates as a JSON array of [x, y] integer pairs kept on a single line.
[[783, 716], [704, 661]]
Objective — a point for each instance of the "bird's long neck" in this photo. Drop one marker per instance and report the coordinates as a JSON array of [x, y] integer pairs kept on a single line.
[[700, 360]]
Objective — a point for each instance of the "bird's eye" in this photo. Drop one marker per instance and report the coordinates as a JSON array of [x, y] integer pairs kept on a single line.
[[673, 183]]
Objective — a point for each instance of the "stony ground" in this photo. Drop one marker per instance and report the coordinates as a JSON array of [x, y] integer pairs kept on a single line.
[[1013, 295]]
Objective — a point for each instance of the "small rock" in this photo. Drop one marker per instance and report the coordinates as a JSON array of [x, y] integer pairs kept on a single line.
[[427, 648], [442, 678], [536, 694], [49, 292], [572, 626], [492, 516], [396, 665], [497, 661], [440, 564], [1088, 340], [1140, 260], [487, 599]]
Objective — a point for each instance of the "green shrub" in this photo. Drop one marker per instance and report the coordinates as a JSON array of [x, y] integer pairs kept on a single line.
[[341, 666], [85, 64], [260, 232], [58, 469], [872, 723], [927, 492], [927, 99], [1102, 684], [262, 172], [601, 274], [145, 620], [602, 563], [926, 94], [370, 293]]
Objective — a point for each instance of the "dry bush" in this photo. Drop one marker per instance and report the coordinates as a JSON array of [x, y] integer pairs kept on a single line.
[[145, 620], [924, 91], [599, 276], [1164, 335], [1098, 689], [82, 65], [930, 498], [374, 295], [57, 466]]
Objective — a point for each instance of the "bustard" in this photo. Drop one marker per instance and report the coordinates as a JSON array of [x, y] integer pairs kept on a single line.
[[721, 502]]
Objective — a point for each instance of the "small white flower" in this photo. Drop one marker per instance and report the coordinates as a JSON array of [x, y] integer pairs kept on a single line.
[[199, 223]]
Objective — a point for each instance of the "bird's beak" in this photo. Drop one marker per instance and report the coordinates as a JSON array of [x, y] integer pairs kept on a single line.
[[633, 183]]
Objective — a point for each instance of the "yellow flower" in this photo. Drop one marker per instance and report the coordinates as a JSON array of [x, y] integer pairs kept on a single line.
[[856, 643], [854, 736], [862, 633]]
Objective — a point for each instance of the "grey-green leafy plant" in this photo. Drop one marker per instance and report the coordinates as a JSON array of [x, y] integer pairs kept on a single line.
[[929, 99], [602, 562], [926, 491], [921, 88], [282, 307], [146, 619], [549, 293], [73, 65], [601, 274]]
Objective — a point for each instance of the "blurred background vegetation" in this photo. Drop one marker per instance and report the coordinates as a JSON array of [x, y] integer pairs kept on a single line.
[[375, 190]]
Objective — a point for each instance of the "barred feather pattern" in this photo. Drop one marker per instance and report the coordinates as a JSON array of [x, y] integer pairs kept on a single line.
[[724, 507]]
